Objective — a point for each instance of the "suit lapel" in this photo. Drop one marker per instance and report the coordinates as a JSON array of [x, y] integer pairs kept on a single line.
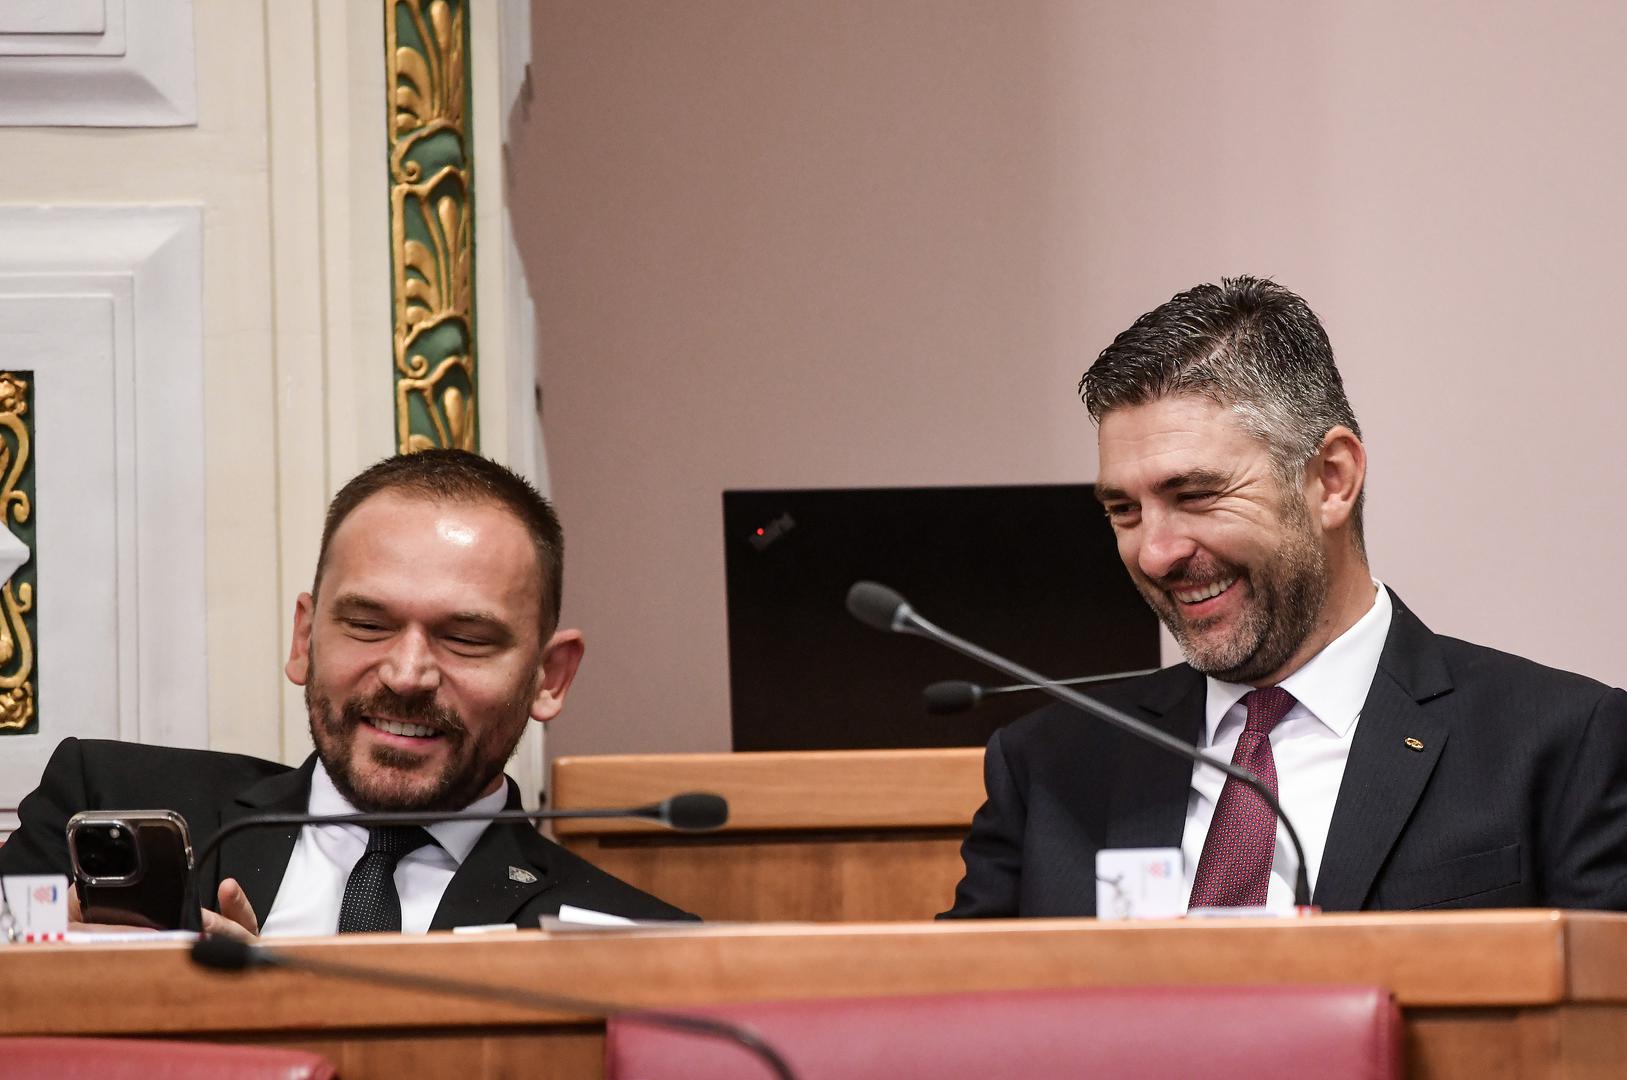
[[258, 857], [506, 868], [1151, 787], [1385, 775]]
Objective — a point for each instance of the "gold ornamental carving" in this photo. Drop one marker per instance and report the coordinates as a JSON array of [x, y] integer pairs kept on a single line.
[[431, 224], [17, 674]]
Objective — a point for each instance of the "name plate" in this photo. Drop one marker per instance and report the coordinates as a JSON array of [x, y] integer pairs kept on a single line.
[[1140, 883]]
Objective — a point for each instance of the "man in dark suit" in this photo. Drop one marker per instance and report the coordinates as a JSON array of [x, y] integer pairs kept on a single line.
[[428, 640], [1420, 771]]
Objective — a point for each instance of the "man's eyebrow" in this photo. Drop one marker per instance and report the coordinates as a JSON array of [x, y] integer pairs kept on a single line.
[[1203, 478], [1200, 478], [356, 602], [479, 618]]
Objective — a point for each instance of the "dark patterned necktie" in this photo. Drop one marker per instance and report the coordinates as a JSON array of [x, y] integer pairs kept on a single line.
[[1235, 868], [371, 903]]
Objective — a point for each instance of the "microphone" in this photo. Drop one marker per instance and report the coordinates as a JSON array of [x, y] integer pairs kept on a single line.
[[228, 954], [691, 811], [876, 605], [958, 696]]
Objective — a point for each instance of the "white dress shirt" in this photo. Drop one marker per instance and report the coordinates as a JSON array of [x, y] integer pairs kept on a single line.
[[314, 884], [1310, 745]]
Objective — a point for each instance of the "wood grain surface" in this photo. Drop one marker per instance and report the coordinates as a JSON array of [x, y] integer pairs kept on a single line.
[[820, 789], [1512, 993], [827, 836]]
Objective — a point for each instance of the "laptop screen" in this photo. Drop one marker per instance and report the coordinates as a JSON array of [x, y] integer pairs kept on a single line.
[[1031, 572]]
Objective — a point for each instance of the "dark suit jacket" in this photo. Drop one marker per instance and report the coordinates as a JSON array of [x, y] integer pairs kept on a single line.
[[210, 789], [1517, 799]]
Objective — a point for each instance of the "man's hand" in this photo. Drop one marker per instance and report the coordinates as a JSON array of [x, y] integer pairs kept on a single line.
[[235, 919], [76, 919]]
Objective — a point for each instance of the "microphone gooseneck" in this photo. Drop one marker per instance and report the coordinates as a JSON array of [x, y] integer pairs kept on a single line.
[[865, 601], [958, 696], [225, 954], [692, 811]]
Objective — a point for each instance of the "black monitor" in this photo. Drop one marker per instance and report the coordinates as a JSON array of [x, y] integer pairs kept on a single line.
[[1029, 571]]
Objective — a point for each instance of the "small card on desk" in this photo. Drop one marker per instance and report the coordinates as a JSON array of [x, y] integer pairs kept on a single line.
[[39, 903], [1139, 883]]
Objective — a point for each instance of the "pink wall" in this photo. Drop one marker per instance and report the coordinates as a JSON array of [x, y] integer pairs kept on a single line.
[[855, 243]]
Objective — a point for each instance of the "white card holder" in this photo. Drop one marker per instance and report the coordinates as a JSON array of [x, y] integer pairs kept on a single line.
[[38, 908], [1140, 883]]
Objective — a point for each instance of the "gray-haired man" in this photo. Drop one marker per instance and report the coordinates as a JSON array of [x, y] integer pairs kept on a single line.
[[1420, 771]]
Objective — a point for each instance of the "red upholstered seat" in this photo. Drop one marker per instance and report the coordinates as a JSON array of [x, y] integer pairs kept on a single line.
[[1148, 1033], [143, 1059]]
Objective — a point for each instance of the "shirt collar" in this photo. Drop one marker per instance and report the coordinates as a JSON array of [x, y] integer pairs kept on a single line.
[[1333, 684], [456, 838]]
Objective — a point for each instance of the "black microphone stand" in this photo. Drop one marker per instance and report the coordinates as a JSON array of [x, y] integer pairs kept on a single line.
[[692, 811], [959, 695], [876, 605]]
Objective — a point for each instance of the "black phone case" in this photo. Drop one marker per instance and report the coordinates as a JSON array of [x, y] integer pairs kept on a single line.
[[156, 901]]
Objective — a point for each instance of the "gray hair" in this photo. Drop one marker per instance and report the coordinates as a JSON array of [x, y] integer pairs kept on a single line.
[[1247, 344]]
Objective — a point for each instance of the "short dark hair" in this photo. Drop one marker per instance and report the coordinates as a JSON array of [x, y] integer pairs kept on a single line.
[[1247, 344], [458, 476]]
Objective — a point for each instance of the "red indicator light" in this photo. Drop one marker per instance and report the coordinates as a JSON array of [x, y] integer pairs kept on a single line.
[[759, 532]]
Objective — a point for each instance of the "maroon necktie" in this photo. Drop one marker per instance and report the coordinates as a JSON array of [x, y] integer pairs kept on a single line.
[[1236, 864]]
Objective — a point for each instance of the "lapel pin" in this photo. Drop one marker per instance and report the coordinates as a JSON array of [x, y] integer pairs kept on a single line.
[[524, 877], [1414, 744]]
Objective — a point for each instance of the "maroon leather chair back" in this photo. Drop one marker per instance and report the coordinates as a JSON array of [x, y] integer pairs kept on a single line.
[[1149, 1033], [145, 1059]]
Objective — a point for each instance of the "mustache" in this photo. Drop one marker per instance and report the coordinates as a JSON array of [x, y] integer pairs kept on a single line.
[[410, 708], [1193, 574]]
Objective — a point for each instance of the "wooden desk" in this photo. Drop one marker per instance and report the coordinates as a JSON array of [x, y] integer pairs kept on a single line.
[[839, 836], [1536, 994]]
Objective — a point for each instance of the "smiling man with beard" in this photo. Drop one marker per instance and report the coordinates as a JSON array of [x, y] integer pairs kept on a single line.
[[1420, 771], [428, 641]]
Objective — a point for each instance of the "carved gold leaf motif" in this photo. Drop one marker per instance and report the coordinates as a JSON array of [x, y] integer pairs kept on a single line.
[[431, 225], [17, 673]]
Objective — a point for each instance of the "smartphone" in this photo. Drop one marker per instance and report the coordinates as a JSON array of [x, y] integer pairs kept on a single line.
[[133, 868]]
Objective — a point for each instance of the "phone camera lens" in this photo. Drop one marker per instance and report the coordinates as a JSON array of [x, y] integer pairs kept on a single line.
[[107, 851]]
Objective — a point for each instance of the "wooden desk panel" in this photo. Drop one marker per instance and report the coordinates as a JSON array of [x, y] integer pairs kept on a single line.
[[1523, 994], [786, 876], [826, 836], [805, 790]]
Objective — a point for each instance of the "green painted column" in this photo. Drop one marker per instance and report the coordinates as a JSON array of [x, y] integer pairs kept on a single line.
[[432, 242]]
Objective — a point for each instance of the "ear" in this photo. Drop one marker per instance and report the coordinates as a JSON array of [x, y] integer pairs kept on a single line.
[[560, 658], [1335, 477], [298, 668]]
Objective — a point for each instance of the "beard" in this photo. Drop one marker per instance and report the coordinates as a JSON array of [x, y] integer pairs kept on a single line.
[[389, 778], [1286, 598]]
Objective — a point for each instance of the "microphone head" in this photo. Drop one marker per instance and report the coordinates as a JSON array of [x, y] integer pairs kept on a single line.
[[695, 811], [225, 954], [876, 605], [953, 696]]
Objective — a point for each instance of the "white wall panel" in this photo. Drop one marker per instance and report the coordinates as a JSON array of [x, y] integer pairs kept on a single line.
[[113, 63], [104, 305]]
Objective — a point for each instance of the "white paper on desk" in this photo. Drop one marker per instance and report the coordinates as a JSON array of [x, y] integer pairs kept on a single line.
[[576, 920], [1139, 883], [124, 937], [570, 913], [39, 902]]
